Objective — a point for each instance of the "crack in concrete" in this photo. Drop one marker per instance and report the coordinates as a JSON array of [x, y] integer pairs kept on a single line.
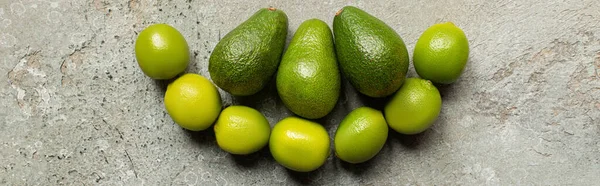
[[132, 165], [541, 153], [63, 66], [116, 129], [104, 156], [126, 153], [84, 45]]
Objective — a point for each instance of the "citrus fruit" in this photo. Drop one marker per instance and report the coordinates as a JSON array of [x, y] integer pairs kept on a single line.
[[441, 53], [298, 144], [361, 135], [414, 107], [193, 102], [241, 130], [161, 51]]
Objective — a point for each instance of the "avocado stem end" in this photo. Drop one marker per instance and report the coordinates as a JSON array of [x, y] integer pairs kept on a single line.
[[339, 11]]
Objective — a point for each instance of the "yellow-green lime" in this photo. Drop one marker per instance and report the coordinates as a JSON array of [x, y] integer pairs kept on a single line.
[[441, 53], [242, 130], [298, 144], [361, 135], [193, 102], [161, 51], [414, 107]]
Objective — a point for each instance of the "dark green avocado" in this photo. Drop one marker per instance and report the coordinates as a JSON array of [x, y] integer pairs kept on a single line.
[[308, 79], [246, 58], [372, 56]]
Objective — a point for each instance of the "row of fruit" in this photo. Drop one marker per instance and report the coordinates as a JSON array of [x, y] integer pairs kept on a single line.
[[364, 49]]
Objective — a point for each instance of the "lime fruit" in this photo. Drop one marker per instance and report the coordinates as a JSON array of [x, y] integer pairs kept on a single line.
[[242, 130], [298, 144], [441, 53], [361, 135], [414, 107], [161, 51], [193, 102]]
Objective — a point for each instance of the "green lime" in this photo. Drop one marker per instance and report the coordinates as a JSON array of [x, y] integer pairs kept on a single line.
[[193, 102], [361, 135], [414, 107], [441, 53], [298, 144], [161, 51], [242, 130]]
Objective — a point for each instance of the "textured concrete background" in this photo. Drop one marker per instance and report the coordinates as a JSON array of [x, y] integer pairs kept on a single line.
[[76, 109]]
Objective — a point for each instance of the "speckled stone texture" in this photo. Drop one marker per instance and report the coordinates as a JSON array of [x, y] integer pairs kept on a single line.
[[77, 110]]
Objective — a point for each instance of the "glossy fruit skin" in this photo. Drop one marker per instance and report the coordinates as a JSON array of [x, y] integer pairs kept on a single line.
[[308, 79], [414, 108], [241, 130], [372, 56], [245, 59], [161, 51], [361, 135], [193, 102], [299, 145], [441, 53]]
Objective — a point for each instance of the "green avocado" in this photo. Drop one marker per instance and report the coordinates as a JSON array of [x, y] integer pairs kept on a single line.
[[246, 58], [308, 79], [372, 55]]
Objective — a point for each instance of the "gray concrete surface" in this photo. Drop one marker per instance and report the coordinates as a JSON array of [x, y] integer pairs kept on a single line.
[[76, 109]]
